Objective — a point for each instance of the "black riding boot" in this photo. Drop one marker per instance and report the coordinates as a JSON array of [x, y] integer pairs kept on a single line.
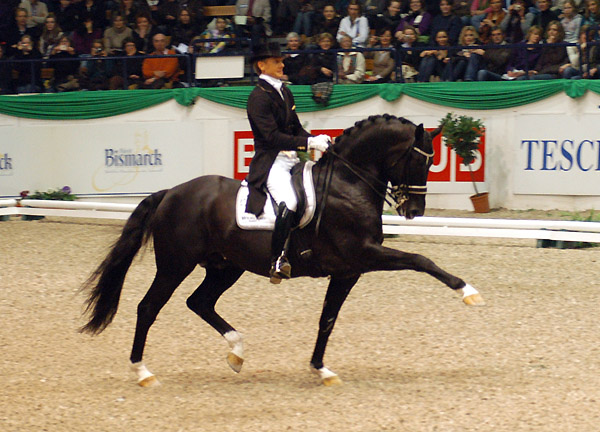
[[280, 266]]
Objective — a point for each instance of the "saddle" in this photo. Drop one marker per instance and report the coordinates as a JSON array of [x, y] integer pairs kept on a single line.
[[302, 181]]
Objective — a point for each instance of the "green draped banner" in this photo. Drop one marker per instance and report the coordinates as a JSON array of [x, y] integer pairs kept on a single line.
[[467, 95]]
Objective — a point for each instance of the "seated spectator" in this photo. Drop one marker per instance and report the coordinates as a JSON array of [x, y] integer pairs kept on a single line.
[[65, 72], [591, 14], [389, 19], [196, 10], [350, 65], [492, 19], [354, 25], [304, 16], [324, 62], [185, 29], [524, 59], [383, 61], [411, 58], [434, 62], [127, 72], [18, 29], [114, 36], [258, 20], [517, 21], [5, 73], [446, 20], [94, 8], [417, 17], [143, 33], [296, 63], [553, 60], [327, 21], [585, 66], [85, 34], [545, 15], [168, 10], [50, 35], [128, 9], [28, 78], [479, 10], [221, 31], [67, 16], [160, 72], [37, 11], [491, 63], [460, 59], [462, 9], [571, 22], [94, 75]]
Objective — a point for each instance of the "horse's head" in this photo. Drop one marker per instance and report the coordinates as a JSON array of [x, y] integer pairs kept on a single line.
[[410, 175]]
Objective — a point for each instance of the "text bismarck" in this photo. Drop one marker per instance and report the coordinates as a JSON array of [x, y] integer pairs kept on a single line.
[[126, 160]]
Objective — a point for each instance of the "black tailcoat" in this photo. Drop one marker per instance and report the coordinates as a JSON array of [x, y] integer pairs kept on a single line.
[[276, 127]]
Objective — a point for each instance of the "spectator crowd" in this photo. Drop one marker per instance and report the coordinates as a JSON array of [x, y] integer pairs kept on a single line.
[[66, 45]]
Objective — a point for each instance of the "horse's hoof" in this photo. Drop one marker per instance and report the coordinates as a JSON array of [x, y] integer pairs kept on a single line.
[[328, 378], [474, 300], [235, 362], [150, 381], [332, 381]]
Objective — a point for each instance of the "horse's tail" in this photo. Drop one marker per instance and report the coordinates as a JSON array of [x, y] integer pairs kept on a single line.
[[106, 282]]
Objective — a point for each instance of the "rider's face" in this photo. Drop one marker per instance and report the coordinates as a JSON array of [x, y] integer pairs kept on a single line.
[[272, 66]]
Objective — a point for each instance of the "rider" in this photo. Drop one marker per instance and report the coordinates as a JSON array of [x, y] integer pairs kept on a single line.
[[278, 134]]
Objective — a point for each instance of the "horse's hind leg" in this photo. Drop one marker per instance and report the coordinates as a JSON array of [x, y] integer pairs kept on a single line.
[[203, 301], [164, 284]]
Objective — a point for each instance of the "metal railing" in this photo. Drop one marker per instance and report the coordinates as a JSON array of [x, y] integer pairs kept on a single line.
[[241, 46]]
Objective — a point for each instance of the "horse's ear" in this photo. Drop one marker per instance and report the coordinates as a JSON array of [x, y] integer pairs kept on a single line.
[[435, 132], [419, 133]]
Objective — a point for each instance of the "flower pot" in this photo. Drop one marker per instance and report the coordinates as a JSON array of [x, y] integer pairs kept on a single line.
[[480, 202]]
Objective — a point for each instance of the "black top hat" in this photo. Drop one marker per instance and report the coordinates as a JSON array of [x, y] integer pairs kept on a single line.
[[272, 49]]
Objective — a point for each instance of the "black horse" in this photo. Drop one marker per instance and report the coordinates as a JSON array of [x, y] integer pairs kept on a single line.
[[194, 223]]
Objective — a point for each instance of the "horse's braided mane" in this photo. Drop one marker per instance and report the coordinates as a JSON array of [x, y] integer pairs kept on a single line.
[[371, 120]]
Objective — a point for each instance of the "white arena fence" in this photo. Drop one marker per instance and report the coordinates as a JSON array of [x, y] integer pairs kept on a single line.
[[436, 226]]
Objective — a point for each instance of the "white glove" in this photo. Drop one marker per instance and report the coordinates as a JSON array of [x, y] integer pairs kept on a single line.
[[319, 142]]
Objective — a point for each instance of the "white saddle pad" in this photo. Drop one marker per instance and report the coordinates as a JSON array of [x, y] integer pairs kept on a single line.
[[266, 221]]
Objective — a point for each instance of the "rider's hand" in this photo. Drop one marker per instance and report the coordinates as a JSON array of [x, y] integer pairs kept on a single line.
[[319, 142]]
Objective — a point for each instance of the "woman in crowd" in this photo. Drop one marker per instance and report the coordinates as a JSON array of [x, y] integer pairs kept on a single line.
[[411, 58], [325, 62], [296, 69], [417, 17], [492, 19], [526, 58], [128, 9], [517, 21], [85, 34], [28, 76], [131, 67], [50, 35], [587, 65], [592, 13], [390, 19], [326, 22], [221, 31], [460, 59], [350, 65], [383, 61], [114, 35], [446, 20], [65, 72], [554, 59], [185, 29], [143, 33], [434, 62], [94, 74], [571, 22]]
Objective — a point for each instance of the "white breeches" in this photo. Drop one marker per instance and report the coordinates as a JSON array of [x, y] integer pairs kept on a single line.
[[279, 181]]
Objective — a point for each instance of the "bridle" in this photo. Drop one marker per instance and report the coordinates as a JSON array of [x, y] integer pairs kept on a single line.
[[397, 193]]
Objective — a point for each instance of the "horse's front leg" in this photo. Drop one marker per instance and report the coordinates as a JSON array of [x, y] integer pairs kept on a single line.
[[338, 290], [383, 258]]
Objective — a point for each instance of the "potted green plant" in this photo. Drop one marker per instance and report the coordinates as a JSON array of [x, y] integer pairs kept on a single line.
[[62, 194], [463, 134]]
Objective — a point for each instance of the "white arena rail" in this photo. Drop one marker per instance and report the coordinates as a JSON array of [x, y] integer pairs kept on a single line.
[[437, 226]]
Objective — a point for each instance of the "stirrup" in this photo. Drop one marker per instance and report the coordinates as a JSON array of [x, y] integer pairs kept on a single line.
[[281, 269]]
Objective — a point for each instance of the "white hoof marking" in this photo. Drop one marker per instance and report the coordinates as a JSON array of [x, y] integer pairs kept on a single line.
[[235, 358]]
